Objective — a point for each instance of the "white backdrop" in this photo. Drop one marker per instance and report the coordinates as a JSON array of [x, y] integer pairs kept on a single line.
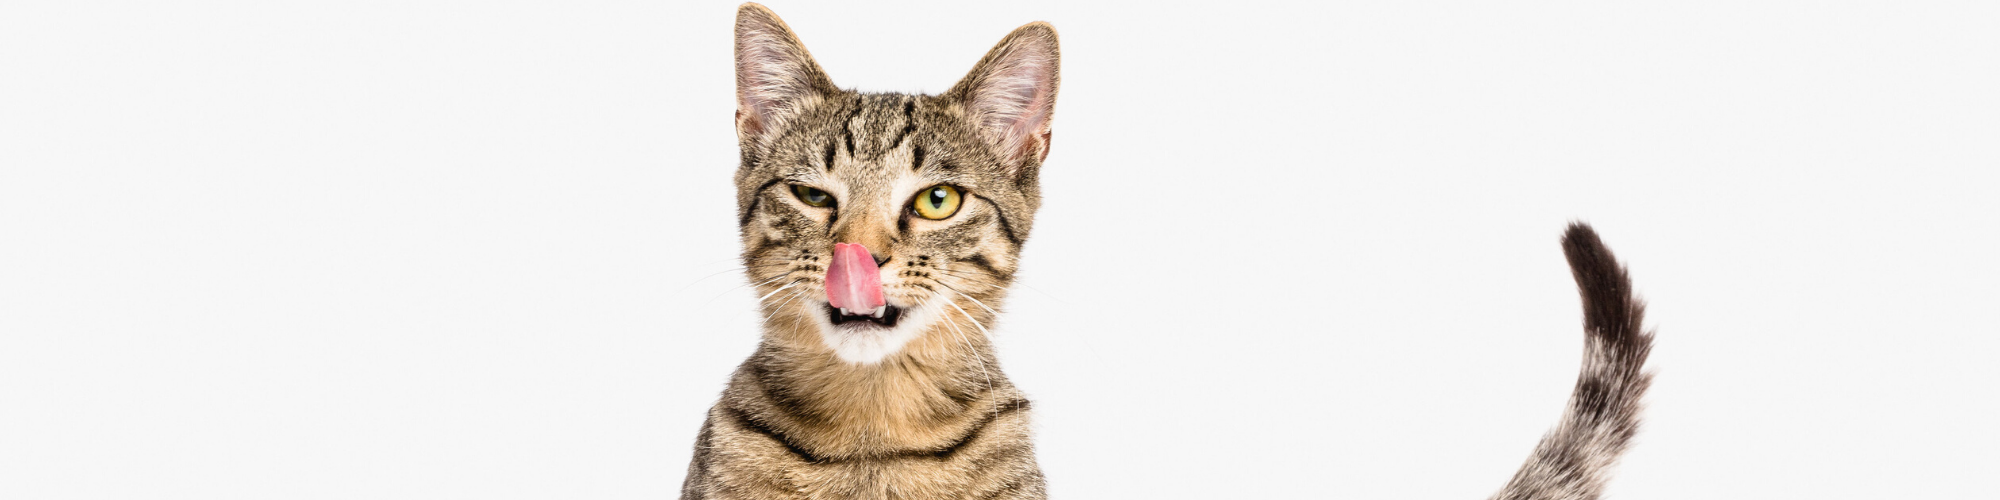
[[484, 250]]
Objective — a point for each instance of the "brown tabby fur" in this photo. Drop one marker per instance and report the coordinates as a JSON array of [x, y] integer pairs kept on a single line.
[[824, 413], [935, 418]]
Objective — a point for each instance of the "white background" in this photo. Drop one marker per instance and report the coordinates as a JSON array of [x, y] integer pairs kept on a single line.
[[484, 250]]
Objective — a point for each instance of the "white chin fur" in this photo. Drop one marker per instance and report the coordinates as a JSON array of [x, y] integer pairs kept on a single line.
[[870, 345]]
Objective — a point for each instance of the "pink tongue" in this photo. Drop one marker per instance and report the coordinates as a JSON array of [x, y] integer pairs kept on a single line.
[[852, 280]]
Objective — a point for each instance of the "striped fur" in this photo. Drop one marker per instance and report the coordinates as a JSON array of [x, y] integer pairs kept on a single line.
[[919, 410], [1572, 461]]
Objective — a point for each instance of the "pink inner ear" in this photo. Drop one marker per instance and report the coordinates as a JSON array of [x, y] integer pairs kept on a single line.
[[1048, 142], [853, 282], [1013, 102]]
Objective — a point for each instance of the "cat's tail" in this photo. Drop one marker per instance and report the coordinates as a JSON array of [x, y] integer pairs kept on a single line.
[[1572, 460]]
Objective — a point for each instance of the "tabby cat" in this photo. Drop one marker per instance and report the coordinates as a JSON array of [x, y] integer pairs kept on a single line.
[[882, 231]]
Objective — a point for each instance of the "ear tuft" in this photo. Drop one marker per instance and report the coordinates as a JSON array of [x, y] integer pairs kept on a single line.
[[775, 76], [1011, 94]]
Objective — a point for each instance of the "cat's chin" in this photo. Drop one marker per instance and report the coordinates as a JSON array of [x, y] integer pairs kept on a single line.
[[870, 337]]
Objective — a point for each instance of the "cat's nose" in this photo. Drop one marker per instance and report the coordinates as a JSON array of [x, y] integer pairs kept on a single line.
[[870, 232], [881, 257]]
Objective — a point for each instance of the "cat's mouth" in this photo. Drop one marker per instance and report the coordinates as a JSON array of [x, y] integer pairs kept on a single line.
[[884, 316]]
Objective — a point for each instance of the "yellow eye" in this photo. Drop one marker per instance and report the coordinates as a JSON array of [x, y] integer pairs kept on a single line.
[[937, 202], [812, 196]]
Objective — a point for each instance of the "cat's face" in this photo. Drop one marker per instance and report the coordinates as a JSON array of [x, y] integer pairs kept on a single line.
[[940, 190]]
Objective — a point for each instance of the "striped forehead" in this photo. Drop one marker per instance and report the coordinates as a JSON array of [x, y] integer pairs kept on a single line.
[[870, 144], [875, 125]]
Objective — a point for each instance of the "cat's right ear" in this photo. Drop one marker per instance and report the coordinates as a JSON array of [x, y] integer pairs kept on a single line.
[[775, 77], [1011, 94]]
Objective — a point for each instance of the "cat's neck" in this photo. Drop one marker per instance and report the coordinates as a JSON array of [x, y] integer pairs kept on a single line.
[[918, 398]]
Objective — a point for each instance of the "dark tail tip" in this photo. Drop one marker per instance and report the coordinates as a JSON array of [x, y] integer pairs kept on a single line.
[[1603, 412], [1610, 312]]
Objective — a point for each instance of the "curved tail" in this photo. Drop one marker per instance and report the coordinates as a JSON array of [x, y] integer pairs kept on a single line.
[[1572, 460]]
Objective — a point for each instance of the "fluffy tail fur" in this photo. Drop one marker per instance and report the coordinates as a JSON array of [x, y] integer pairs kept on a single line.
[[1571, 461]]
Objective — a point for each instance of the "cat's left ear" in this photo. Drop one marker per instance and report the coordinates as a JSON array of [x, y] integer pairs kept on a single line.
[[1011, 94]]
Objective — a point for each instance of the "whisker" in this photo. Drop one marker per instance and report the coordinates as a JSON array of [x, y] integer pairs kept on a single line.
[[732, 289], [1010, 281], [781, 306], [719, 273], [714, 262], [977, 280], [966, 341], [741, 259], [982, 305], [968, 317], [798, 322], [780, 289], [1045, 294]]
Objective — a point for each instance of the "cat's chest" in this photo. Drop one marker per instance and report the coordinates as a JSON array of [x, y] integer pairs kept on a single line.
[[897, 478]]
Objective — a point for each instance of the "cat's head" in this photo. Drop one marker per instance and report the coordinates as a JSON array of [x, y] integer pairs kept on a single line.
[[941, 190]]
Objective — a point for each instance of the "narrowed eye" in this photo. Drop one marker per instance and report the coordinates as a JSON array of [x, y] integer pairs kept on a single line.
[[937, 202], [812, 196]]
